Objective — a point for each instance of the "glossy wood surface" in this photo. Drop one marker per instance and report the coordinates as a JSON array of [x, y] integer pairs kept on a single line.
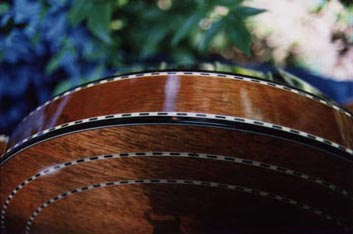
[[192, 93], [176, 139], [2, 147], [179, 177]]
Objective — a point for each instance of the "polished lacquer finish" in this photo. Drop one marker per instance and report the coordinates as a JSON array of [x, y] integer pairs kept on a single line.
[[180, 152], [3, 142]]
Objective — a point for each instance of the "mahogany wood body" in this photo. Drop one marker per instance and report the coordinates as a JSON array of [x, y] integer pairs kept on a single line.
[[349, 106], [168, 170], [2, 147]]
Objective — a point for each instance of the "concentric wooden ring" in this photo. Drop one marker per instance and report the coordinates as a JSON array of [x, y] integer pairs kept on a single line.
[[150, 129]]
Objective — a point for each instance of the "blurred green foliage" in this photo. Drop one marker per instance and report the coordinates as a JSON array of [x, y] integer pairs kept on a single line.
[[53, 45], [132, 34], [131, 31]]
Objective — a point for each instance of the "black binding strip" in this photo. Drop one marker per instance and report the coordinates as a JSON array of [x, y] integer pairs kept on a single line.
[[181, 120], [201, 72]]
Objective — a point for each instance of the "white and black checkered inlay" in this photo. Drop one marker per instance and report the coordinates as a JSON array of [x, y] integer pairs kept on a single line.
[[306, 177], [202, 74], [204, 116], [237, 188]]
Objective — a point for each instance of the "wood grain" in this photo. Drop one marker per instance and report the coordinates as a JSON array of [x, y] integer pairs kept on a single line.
[[283, 185], [170, 138], [194, 94], [2, 147]]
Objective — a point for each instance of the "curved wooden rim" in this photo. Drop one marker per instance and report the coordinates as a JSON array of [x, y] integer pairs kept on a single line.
[[286, 171], [226, 115], [324, 108], [184, 118], [253, 79], [237, 188], [290, 172]]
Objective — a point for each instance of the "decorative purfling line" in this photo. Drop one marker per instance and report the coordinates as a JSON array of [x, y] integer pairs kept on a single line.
[[205, 116], [229, 159], [202, 74], [237, 188]]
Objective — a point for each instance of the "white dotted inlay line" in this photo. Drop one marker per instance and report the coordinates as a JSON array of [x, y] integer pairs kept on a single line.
[[183, 182], [203, 74], [190, 115], [228, 159]]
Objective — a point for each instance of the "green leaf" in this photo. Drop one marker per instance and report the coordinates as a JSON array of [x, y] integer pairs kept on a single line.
[[183, 56], [35, 38], [228, 3], [54, 63], [79, 11], [189, 24], [244, 12], [210, 34], [97, 73], [239, 36], [154, 37], [99, 19], [121, 3], [63, 87], [4, 7], [201, 4]]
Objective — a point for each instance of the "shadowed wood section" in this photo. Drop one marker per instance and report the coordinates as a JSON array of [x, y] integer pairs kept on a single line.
[[158, 201], [169, 211], [349, 107], [192, 93]]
